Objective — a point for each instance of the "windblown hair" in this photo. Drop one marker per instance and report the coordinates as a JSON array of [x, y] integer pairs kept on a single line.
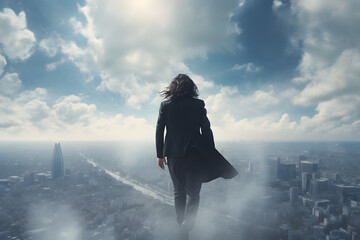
[[181, 85]]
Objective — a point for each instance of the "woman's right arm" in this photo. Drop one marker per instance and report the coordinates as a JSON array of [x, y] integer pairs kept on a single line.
[[160, 126]]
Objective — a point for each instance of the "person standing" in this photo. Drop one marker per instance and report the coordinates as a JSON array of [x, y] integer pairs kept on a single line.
[[189, 148]]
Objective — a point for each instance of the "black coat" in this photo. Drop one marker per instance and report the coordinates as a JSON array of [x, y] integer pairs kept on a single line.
[[183, 118]]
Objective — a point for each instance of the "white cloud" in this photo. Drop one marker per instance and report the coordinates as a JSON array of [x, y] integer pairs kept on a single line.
[[52, 66], [228, 101], [16, 40], [27, 115], [119, 127], [2, 64], [339, 79], [333, 115], [248, 67], [9, 84], [245, 117], [277, 4], [70, 110], [131, 86], [242, 3], [84, 58], [22, 111], [146, 45], [52, 45], [263, 129], [67, 119], [261, 116], [328, 72], [326, 29], [29, 95], [38, 110], [145, 41], [317, 128]]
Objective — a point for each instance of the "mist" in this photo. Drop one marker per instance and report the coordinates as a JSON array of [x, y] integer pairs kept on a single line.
[[51, 220]]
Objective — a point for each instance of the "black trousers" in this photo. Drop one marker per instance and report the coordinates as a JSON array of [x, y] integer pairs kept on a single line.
[[186, 181]]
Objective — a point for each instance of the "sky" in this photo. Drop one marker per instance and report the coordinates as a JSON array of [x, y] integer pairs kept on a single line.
[[278, 70]]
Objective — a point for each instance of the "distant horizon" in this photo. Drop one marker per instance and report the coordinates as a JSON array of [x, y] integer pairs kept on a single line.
[[150, 142]]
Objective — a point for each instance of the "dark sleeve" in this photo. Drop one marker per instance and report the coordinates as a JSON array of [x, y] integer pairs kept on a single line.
[[160, 126], [205, 127]]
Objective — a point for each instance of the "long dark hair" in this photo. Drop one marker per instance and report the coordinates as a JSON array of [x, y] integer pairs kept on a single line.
[[181, 85]]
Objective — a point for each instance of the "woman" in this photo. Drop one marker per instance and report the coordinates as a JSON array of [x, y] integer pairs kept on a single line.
[[191, 156]]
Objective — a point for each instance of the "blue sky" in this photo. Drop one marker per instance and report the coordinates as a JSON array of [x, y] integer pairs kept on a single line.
[[268, 70]]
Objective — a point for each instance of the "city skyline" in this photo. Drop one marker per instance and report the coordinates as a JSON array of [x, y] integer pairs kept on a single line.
[[283, 191]]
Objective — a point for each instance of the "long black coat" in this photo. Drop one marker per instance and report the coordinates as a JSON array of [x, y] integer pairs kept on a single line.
[[183, 118]]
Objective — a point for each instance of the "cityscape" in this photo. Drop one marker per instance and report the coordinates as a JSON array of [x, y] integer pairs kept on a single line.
[[88, 191], [88, 89]]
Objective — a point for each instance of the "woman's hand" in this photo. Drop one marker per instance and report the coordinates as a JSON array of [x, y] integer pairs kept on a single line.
[[162, 162]]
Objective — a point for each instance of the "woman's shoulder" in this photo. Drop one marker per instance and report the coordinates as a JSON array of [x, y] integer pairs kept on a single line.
[[165, 102], [199, 101], [190, 100]]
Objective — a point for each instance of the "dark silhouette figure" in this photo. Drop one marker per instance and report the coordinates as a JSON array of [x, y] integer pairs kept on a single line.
[[191, 155]]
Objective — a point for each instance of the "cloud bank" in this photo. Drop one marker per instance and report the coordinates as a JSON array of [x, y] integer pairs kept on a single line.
[[134, 49]]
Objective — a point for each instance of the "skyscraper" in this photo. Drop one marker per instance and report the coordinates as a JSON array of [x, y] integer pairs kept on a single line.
[[310, 167], [306, 178], [57, 162]]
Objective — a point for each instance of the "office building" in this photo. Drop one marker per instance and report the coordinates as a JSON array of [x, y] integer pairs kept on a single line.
[[294, 194], [318, 186], [57, 162], [307, 166], [305, 183]]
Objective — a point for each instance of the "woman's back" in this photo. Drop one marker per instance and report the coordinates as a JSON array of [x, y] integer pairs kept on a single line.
[[183, 118]]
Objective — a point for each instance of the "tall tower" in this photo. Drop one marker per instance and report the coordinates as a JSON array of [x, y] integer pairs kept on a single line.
[[57, 162]]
